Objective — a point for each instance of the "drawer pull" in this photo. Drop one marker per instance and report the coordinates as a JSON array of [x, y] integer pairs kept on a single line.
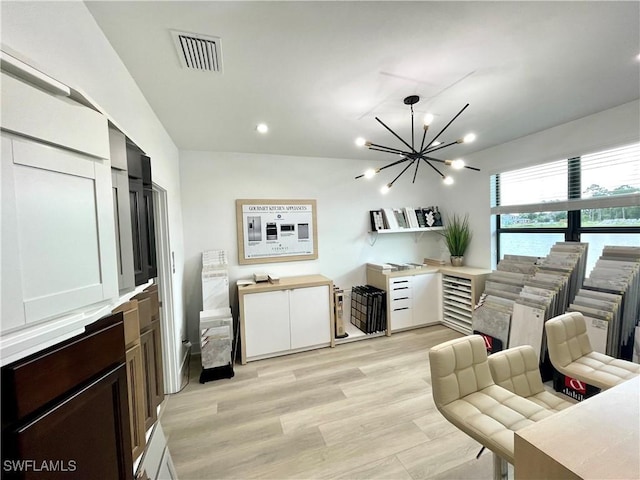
[[402, 308], [400, 298]]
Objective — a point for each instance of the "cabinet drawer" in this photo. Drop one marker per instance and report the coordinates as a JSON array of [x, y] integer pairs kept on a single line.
[[399, 282], [401, 318], [400, 303]]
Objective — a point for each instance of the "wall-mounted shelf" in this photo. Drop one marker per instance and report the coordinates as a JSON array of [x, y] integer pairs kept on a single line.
[[419, 232]]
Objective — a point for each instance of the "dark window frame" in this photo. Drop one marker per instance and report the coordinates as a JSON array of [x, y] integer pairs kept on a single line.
[[574, 229]]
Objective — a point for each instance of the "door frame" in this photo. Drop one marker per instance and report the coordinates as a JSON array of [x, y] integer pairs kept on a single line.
[[166, 269]]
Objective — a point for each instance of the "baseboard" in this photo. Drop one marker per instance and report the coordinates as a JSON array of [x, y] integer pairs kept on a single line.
[[184, 364]]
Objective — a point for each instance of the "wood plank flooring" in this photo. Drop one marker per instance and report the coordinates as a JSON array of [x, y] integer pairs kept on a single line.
[[362, 410]]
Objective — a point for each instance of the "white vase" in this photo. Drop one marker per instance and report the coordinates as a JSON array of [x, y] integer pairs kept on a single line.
[[456, 261]]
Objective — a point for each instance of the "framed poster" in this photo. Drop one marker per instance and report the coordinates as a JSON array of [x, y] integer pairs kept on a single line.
[[276, 230]]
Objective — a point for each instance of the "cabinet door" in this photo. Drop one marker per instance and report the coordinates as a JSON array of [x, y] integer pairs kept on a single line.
[[158, 396], [167, 470], [427, 300], [266, 322], [86, 432], [150, 260], [149, 366], [58, 246], [310, 316], [124, 241], [137, 400], [138, 230]]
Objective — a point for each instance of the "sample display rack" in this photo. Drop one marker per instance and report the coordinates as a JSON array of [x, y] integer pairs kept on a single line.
[[461, 290]]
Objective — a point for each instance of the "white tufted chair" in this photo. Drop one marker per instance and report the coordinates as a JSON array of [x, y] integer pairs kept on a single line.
[[465, 393], [571, 354], [517, 370]]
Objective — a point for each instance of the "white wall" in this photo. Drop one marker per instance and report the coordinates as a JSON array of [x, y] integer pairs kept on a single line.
[[211, 182], [63, 40], [610, 128]]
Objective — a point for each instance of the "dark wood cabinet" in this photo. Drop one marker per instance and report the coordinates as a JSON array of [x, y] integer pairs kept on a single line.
[[65, 412], [142, 215]]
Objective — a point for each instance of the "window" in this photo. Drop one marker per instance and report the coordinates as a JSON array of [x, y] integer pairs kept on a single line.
[[594, 198]]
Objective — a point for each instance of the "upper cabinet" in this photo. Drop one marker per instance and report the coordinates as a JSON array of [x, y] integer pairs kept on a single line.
[[121, 210], [142, 215], [58, 246]]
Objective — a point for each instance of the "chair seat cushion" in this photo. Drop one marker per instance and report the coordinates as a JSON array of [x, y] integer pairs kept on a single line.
[[491, 415], [550, 401], [601, 370]]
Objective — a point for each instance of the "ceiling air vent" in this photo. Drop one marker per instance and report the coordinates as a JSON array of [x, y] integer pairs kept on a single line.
[[198, 52]]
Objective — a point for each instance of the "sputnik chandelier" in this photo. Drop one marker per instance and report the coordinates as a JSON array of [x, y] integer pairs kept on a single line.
[[413, 156]]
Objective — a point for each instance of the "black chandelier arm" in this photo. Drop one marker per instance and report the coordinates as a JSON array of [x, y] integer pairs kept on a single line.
[[400, 174], [413, 143], [429, 163], [384, 148], [438, 147], [416, 171], [424, 135], [395, 134], [445, 127], [443, 161], [432, 159], [402, 160]]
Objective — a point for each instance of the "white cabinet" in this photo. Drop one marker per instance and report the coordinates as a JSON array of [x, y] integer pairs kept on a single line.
[[57, 235], [414, 301], [413, 297], [399, 296], [58, 247], [293, 315], [157, 463]]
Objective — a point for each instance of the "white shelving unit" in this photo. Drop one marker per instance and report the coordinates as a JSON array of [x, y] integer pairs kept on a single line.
[[461, 289], [373, 236]]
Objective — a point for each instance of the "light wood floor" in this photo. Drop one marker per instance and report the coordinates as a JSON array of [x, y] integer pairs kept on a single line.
[[362, 410]]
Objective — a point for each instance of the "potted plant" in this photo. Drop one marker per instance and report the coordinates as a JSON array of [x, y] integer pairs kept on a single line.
[[457, 236]]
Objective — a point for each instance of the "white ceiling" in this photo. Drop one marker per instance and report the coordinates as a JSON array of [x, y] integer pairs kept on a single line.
[[319, 72]]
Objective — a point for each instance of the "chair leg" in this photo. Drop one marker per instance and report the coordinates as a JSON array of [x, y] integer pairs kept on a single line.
[[500, 471]]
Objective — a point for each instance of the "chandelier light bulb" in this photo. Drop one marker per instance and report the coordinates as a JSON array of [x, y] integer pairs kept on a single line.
[[458, 164], [447, 180], [428, 118], [360, 142], [435, 144], [469, 137], [385, 189], [262, 128], [370, 173]]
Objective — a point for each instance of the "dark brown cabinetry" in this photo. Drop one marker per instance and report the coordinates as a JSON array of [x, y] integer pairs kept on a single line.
[[65, 412], [142, 215]]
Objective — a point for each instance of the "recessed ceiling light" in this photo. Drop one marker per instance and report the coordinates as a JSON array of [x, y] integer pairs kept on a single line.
[[262, 128]]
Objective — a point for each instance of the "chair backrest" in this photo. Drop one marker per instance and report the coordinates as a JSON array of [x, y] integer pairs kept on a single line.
[[459, 367], [517, 370], [567, 338]]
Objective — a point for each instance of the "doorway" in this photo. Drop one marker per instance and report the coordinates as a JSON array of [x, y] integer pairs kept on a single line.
[[171, 344]]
